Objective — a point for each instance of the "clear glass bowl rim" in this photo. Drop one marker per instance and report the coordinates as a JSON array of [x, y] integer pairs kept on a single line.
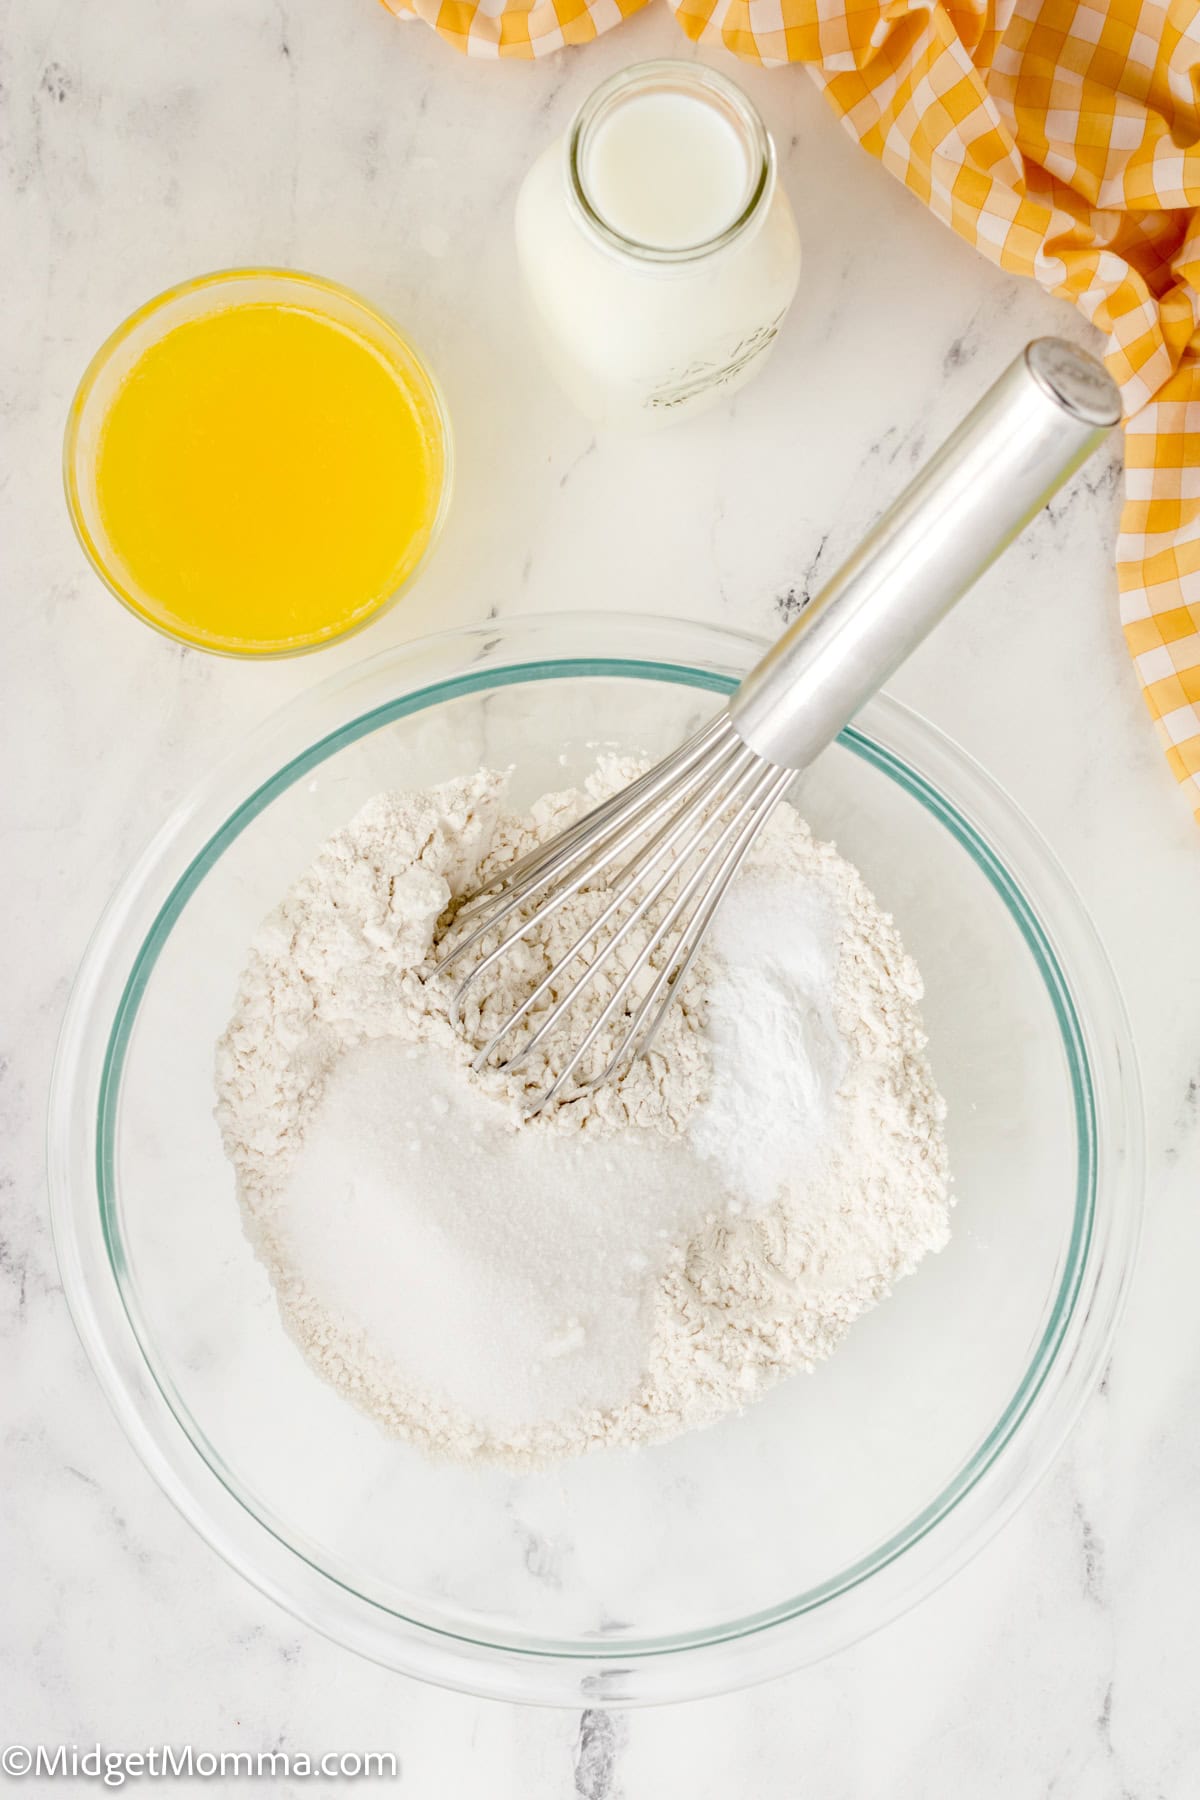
[[1068, 1362], [163, 302]]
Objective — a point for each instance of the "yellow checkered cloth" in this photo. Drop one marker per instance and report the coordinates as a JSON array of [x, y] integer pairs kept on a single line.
[[1063, 140]]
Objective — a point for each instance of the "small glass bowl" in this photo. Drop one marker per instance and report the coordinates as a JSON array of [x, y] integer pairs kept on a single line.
[[130, 341], [728, 1555]]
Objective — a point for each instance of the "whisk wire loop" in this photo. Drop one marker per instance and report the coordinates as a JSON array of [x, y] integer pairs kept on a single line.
[[637, 1042], [547, 855], [627, 884], [687, 824], [615, 839], [718, 865]]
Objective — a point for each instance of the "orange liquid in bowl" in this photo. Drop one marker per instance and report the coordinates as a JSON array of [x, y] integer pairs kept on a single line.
[[266, 478]]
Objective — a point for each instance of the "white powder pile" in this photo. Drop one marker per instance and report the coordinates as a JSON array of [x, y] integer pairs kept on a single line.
[[524, 1292], [777, 1054], [634, 1263]]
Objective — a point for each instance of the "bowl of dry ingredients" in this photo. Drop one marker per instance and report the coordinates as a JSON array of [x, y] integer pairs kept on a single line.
[[684, 1382]]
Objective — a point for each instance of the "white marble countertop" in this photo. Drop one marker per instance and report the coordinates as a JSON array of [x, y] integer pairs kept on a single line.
[[145, 142]]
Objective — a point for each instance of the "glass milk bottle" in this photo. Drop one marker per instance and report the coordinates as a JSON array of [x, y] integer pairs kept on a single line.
[[659, 252]]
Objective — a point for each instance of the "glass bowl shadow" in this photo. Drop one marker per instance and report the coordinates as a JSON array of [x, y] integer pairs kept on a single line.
[[731, 1554]]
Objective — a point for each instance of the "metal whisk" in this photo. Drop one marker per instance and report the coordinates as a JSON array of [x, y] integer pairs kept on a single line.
[[666, 848]]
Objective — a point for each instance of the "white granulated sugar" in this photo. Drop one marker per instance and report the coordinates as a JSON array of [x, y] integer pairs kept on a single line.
[[634, 1262], [524, 1290]]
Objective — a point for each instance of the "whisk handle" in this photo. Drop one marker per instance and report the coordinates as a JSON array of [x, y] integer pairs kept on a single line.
[[1025, 438]]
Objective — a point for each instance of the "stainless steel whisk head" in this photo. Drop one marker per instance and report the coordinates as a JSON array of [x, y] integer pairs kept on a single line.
[[677, 836]]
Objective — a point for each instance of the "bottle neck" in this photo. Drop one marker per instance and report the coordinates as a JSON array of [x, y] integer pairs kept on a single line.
[[668, 164]]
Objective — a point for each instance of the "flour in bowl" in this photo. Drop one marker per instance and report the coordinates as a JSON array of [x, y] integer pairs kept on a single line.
[[633, 1263]]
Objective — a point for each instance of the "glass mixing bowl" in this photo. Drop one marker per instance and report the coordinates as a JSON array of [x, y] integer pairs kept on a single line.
[[731, 1554]]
